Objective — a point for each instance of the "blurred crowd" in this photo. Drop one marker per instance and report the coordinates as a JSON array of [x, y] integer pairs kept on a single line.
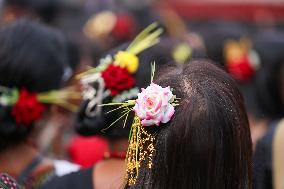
[[54, 133]]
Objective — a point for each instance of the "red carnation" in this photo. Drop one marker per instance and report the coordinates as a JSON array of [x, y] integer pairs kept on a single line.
[[241, 69], [27, 109], [117, 79]]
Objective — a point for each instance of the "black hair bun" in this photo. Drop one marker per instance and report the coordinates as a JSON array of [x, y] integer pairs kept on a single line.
[[88, 125]]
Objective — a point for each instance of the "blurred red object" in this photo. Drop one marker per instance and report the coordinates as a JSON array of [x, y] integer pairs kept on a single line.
[[243, 10], [87, 151], [124, 28], [241, 69]]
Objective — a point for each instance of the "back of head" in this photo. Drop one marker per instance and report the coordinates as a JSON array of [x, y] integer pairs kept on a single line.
[[32, 57], [46, 10], [269, 80], [215, 39], [207, 143]]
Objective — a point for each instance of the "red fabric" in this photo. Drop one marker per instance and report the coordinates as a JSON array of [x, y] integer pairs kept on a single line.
[[250, 11], [117, 79], [87, 151], [27, 109]]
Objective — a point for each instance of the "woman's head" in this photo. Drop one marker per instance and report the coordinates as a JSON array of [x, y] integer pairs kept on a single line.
[[207, 143], [45, 10], [269, 80], [215, 39], [32, 57]]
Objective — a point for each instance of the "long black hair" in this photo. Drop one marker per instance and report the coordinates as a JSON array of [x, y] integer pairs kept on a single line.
[[207, 144], [32, 56]]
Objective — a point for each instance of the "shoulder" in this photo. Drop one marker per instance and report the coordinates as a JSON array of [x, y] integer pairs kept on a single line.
[[79, 179], [109, 174]]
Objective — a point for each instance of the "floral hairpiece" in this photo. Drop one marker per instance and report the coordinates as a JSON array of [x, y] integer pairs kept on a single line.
[[120, 26], [154, 105], [182, 53], [241, 60], [28, 107], [114, 74]]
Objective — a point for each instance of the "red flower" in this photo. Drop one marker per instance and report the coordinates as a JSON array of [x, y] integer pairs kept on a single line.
[[117, 79], [124, 27], [241, 69], [27, 109]]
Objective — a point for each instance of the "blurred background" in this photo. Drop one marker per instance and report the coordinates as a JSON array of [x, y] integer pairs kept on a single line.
[[245, 37]]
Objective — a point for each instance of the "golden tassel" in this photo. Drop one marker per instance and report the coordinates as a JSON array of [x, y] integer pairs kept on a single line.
[[141, 147]]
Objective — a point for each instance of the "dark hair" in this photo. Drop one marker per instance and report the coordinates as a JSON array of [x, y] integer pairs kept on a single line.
[[32, 56], [215, 39], [207, 144], [46, 10], [74, 53], [269, 80], [87, 125]]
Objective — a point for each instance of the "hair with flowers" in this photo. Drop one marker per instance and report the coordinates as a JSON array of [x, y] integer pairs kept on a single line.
[[120, 27], [241, 60], [28, 107], [114, 75], [154, 106]]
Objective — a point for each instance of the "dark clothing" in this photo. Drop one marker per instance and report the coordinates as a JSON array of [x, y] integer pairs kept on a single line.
[[262, 167], [79, 179]]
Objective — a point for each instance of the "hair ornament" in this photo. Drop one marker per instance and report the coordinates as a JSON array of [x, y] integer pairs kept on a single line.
[[28, 107], [121, 26], [241, 60], [182, 52], [154, 105], [128, 58], [114, 75]]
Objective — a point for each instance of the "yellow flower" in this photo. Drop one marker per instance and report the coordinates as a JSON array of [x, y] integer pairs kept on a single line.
[[181, 53], [127, 60]]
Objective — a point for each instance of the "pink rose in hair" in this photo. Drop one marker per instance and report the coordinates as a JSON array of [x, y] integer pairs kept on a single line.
[[153, 105]]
